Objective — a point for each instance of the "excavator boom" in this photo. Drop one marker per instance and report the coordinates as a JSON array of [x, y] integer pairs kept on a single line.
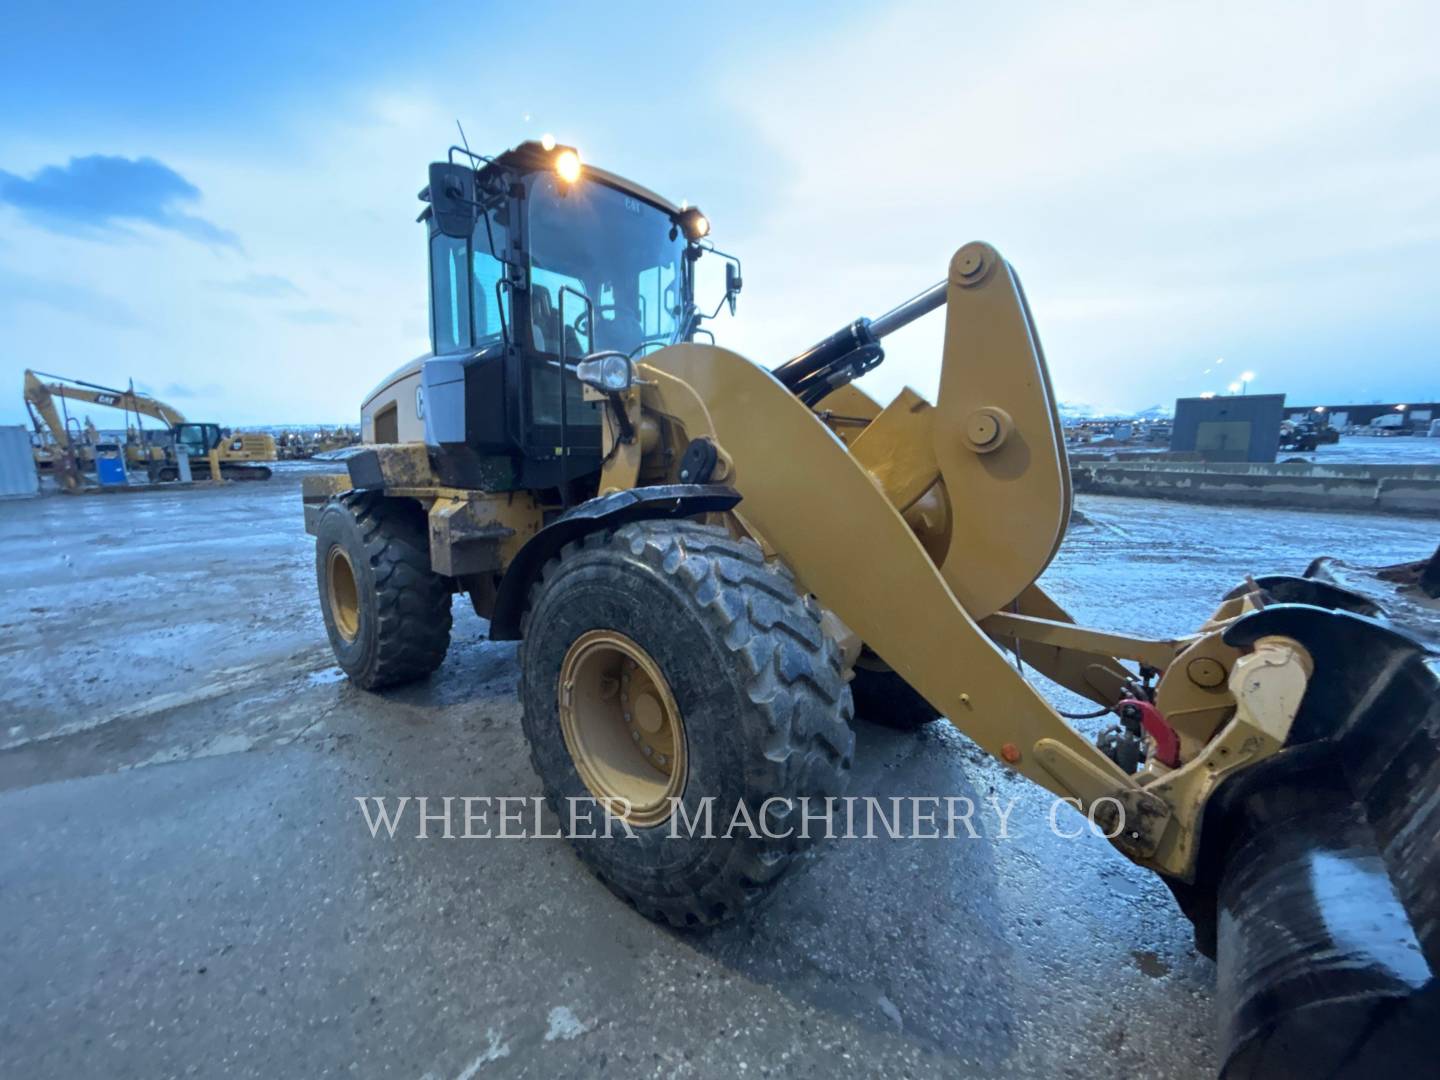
[[226, 457], [46, 418], [94, 394]]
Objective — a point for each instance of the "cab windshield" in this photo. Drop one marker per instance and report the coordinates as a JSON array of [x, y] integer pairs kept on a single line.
[[591, 241]]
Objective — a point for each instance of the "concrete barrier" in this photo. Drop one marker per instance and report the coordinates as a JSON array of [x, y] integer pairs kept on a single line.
[[1396, 489]]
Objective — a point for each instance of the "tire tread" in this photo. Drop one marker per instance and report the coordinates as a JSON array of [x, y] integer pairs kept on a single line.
[[792, 670], [412, 602]]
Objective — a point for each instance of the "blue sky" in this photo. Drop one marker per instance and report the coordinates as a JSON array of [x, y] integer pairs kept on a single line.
[[220, 203]]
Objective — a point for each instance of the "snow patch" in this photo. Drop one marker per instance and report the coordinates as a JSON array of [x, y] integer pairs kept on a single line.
[[564, 1024], [494, 1052]]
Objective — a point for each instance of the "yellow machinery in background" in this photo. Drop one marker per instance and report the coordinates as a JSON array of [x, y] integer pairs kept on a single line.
[[710, 566], [207, 450], [300, 445]]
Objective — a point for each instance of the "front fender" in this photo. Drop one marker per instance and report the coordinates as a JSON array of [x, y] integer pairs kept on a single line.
[[659, 501]]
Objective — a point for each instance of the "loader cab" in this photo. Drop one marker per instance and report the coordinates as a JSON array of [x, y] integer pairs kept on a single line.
[[533, 267]]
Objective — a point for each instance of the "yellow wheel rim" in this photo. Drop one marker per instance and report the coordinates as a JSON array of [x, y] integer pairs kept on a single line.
[[344, 594], [622, 727]]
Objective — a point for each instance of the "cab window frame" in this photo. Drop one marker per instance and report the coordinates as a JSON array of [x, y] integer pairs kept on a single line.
[[495, 291], [461, 330]]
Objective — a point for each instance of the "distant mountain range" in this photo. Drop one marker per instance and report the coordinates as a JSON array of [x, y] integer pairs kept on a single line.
[[1074, 410]]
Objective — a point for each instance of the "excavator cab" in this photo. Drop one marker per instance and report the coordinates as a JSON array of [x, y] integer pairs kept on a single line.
[[196, 440], [537, 262]]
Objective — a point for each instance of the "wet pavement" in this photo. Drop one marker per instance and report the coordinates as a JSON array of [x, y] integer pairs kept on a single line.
[[187, 886]]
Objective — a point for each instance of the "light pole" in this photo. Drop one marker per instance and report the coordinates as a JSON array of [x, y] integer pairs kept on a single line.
[[1245, 381], [1235, 388]]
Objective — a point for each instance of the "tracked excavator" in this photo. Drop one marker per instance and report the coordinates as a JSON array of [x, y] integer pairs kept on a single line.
[[205, 448], [710, 564]]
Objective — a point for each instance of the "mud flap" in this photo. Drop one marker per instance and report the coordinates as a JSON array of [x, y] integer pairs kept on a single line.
[[1323, 864]]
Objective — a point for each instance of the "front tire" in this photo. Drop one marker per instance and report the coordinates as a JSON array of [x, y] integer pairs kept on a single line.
[[762, 712], [386, 612], [883, 697]]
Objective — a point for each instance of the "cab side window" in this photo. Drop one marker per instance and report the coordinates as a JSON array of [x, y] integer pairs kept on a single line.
[[449, 294], [659, 305], [490, 301]]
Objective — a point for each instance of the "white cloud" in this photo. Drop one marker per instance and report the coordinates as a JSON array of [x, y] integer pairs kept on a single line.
[[1169, 180], [1172, 182], [334, 213]]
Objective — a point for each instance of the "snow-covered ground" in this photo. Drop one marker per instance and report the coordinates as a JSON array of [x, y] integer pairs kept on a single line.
[[1375, 450]]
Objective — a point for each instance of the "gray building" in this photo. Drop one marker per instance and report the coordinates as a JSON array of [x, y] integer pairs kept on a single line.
[[17, 463], [1243, 427]]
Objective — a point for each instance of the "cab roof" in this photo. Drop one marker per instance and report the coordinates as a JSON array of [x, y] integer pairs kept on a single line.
[[531, 155]]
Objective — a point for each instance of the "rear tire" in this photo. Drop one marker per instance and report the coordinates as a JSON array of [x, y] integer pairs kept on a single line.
[[883, 697], [386, 612], [764, 710]]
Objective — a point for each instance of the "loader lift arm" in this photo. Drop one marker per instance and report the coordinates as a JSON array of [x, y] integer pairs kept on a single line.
[[1232, 698]]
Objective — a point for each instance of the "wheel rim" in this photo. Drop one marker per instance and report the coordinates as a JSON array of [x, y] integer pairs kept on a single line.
[[622, 726], [344, 595]]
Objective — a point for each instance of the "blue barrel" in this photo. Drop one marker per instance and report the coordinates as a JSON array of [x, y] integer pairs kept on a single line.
[[110, 468]]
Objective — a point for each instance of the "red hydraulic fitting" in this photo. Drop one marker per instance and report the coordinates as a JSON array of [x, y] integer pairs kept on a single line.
[[1167, 742]]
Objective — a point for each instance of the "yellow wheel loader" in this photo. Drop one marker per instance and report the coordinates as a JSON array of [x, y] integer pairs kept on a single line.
[[707, 563]]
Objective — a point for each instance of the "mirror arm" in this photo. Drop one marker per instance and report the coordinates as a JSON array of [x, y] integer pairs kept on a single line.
[[732, 284]]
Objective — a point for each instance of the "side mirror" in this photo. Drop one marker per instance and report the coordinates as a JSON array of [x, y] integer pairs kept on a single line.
[[452, 198], [733, 283]]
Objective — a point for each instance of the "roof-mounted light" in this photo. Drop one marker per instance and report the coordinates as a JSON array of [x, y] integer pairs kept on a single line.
[[695, 225], [567, 165]]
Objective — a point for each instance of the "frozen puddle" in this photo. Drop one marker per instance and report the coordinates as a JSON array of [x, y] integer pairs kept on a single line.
[[564, 1024], [326, 677]]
